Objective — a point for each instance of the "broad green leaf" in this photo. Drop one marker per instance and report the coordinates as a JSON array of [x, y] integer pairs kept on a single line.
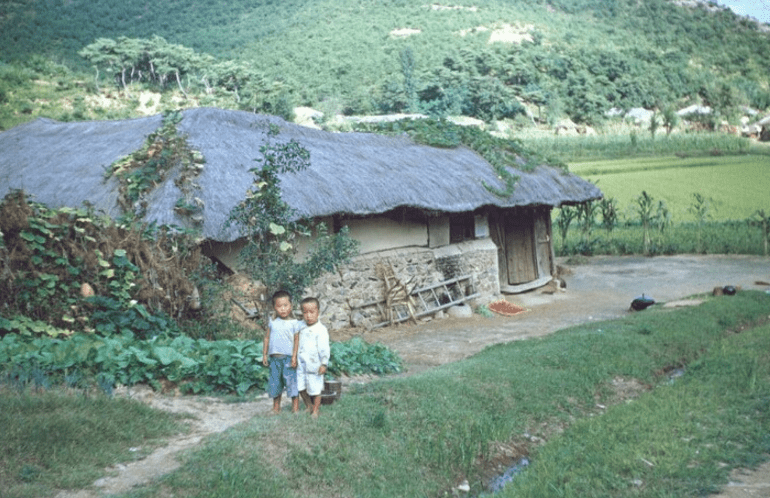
[[165, 354], [276, 229]]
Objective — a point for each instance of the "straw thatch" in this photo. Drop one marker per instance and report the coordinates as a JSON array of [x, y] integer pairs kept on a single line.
[[62, 164]]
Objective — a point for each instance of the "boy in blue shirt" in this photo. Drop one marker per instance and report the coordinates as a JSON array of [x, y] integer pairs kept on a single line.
[[279, 352]]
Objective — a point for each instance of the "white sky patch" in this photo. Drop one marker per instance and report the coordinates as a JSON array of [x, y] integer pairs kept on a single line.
[[758, 9]]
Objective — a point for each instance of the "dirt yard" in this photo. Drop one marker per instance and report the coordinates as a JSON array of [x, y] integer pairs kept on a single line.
[[602, 288]]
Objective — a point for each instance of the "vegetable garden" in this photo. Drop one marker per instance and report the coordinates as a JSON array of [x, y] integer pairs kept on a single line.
[[83, 304]]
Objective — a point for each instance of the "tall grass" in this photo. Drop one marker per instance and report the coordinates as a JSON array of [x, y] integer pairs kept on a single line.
[[726, 237], [641, 144], [421, 436]]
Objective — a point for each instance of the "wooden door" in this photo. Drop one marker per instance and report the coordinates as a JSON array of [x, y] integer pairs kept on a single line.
[[520, 247]]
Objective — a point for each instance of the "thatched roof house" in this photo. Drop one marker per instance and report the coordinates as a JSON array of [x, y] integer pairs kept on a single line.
[[353, 177], [63, 164]]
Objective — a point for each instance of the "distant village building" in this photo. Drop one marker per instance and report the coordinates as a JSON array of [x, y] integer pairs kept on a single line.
[[421, 213]]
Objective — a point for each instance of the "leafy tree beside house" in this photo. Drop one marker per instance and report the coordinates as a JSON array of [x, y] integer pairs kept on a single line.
[[272, 229]]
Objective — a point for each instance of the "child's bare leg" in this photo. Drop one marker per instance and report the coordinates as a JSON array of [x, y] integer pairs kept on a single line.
[[295, 404], [277, 404], [316, 405], [308, 401]]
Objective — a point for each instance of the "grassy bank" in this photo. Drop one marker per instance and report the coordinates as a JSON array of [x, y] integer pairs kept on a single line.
[[681, 440], [52, 440], [421, 436]]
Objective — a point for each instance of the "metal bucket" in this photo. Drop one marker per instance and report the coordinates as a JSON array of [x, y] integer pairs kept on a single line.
[[332, 392]]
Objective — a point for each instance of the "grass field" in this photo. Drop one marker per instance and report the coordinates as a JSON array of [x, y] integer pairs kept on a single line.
[[739, 185], [554, 398], [423, 435]]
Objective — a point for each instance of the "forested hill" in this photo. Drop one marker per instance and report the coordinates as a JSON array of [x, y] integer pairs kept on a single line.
[[483, 58]]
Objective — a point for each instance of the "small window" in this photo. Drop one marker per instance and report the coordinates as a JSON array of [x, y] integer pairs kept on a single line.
[[461, 227]]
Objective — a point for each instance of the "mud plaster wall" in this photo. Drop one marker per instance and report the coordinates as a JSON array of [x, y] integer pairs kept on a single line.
[[343, 294]]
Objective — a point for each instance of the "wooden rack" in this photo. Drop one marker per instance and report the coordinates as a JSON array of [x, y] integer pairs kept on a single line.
[[426, 300]]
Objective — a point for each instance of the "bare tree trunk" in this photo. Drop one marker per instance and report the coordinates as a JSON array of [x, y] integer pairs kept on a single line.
[[123, 81], [179, 83], [205, 82]]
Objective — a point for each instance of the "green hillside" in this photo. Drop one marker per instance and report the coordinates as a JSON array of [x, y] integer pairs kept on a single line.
[[487, 59]]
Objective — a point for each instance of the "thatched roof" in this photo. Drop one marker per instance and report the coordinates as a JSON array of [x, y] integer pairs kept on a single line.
[[63, 164]]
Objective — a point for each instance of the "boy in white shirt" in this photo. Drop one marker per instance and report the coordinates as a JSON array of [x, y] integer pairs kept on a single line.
[[314, 355]]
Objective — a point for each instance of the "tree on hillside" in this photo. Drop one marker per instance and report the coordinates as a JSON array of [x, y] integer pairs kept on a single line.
[[252, 90], [670, 119], [654, 124], [135, 59], [410, 84], [587, 102], [155, 61]]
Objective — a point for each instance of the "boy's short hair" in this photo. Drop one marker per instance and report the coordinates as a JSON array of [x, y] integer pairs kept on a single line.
[[279, 294], [311, 300]]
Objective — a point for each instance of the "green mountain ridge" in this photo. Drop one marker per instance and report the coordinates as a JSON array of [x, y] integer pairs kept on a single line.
[[484, 59]]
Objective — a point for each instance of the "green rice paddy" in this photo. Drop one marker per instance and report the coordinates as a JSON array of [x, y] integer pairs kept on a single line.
[[738, 185]]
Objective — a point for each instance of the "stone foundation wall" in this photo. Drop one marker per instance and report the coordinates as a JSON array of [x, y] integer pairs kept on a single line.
[[349, 296]]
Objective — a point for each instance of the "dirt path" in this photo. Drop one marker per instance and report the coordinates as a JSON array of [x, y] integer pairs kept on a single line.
[[210, 416], [601, 289]]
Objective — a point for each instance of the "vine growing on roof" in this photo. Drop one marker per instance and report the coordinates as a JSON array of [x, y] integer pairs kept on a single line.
[[502, 154], [142, 171]]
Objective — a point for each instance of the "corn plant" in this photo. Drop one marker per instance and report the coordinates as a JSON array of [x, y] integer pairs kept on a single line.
[[645, 210], [762, 220], [701, 210], [609, 210], [563, 221], [653, 217], [586, 216]]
